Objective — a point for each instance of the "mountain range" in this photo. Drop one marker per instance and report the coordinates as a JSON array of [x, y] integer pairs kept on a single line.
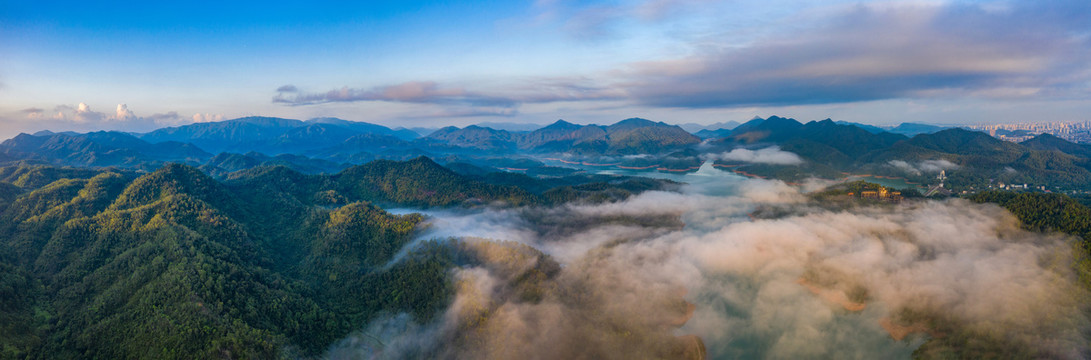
[[271, 135], [333, 140], [695, 128], [907, 129], [973, 159], [629, 136], [329, 145]]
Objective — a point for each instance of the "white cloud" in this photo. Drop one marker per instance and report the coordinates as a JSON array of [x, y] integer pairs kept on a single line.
[[82, 118], [200, 118], [923, 167], [770, 155], [84, 114], [123, 113], [934, 166]]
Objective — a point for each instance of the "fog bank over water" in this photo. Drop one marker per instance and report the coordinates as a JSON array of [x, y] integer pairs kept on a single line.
[[812, 283]]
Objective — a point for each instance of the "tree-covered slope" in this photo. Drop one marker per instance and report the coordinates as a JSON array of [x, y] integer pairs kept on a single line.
[[980, 157], [1043, 211], [99, 149], [174, 264], [269, 135], [1049, 142], [421, 182], [418, 182], [973, 160]]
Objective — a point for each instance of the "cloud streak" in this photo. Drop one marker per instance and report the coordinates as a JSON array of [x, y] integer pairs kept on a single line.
[[770, 155], [822, 55], [410, 92], [923, 167], [429, 92], [597, 21], [871, 52]]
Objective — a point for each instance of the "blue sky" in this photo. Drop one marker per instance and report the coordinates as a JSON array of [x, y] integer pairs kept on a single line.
[[140, 65]]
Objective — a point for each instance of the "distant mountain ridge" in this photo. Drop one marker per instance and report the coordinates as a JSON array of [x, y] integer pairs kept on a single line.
[[474, 136], [100, 149], [905, 128], [343, 140], [629, 136], [326, 145], [695, 128], [971, 157], [511, 126], [1049, 142], [821, 141], [346, 139], [270, 133]]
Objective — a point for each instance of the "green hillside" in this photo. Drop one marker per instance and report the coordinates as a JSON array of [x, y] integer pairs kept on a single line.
[[174, 264], [973, 160], [268, 263]]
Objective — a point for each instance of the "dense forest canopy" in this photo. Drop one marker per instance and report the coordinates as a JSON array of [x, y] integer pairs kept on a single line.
[[270, 262]]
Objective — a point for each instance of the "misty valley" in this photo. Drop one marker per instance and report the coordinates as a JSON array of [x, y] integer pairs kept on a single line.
[[545, 179], [336, 239]]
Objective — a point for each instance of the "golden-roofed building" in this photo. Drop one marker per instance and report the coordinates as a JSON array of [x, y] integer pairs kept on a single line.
[[882, 194]]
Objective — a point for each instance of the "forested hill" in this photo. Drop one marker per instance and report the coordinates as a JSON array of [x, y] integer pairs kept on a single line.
[[973, 160], [174, 264], [269, 263], [418, 182], [1044, 212]]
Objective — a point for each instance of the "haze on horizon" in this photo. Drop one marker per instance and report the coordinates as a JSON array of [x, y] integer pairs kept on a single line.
[[136, 66]]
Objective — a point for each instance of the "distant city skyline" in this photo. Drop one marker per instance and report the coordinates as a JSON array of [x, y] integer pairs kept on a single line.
[[137, 66]]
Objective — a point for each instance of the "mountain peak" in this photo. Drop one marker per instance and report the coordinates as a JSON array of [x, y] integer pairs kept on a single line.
[[778, 119], [267, 121], [422, 160], [636, 121], [327, 120], [560, 125], [171, 179], [632, 123]]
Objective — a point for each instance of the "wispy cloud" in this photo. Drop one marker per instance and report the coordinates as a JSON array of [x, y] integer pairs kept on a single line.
[[470, 112], [881, 52], [818, 55], [457, 101], [923, 167], [82, 117], [421, 92], [593, 21], [170, 117], [770, 155]]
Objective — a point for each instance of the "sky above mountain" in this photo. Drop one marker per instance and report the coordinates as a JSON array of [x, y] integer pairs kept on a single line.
[[142, 65]]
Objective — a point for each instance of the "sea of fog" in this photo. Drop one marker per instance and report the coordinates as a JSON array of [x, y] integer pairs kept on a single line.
[[811, 283]]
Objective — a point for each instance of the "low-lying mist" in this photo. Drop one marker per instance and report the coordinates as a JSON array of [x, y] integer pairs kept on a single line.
[[673, 275]]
